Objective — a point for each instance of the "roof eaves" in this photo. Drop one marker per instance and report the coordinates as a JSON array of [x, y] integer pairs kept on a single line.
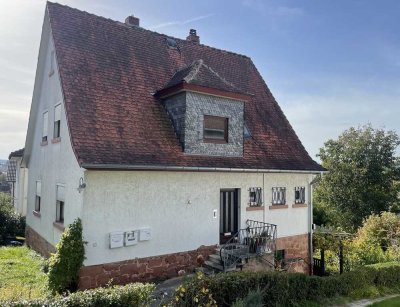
[[183, 86]]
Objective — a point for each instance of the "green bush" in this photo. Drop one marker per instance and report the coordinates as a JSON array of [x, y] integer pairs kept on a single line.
[[136, 294], [64, 265], [11, 223], [253, 299], [293, 289]]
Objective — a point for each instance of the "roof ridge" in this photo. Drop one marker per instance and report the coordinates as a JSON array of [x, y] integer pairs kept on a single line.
[[120, 23], [197, 66]]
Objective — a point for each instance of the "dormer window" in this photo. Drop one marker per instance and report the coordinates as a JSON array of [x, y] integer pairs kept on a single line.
[[215, 129]]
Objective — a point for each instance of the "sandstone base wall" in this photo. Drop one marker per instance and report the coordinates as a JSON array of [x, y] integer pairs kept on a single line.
[[141, 269], [297, 253], [38, 243]]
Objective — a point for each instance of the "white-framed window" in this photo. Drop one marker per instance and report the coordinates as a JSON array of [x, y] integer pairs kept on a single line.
[[57, 121], [38, 196], [299, 195], [278, 196], [60, 203], [52, 63], [45, 126], [255, 197]]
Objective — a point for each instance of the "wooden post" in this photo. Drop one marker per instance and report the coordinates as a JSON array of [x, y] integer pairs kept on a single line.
[[322, 262], [341, 257]]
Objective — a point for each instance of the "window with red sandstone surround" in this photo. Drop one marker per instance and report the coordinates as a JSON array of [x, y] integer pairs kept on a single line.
[[60, 202], [45, 126], [38, 197], [57, 121], [255, 197], [299, 195], [278, 196]]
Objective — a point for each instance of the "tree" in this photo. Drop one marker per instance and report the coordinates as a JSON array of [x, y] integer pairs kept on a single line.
[[362, 178], [64, 265], [11, 223]]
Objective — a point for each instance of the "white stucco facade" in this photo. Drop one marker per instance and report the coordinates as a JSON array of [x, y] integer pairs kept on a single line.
[[178, 208], [181, 208], [53, 163]]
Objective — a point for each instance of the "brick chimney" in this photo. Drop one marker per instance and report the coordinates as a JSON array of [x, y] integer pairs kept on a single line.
[[132, 21], [193, 36]]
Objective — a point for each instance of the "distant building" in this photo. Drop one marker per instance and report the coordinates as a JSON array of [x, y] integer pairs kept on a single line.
[[4, 187], [17, 178]]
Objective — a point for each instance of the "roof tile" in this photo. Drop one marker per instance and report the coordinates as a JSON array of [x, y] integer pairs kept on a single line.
[[109, 73]]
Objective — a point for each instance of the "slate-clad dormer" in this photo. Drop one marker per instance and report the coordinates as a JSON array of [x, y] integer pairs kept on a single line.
[[206, 110]]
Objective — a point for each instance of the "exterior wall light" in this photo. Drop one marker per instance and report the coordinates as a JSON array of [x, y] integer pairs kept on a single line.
[[82, 185]]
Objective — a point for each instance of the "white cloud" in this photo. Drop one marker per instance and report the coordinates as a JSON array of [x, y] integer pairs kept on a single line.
[[180, 23], [273, 8]]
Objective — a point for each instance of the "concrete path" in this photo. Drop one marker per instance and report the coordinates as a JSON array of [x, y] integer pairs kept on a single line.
[[368, 302], [166, 289]]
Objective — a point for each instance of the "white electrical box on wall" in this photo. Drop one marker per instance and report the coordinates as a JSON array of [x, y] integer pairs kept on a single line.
[[145, 234], [116, 239], [131, 237]]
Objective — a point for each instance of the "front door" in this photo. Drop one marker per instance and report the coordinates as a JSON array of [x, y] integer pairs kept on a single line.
[[229, 214]]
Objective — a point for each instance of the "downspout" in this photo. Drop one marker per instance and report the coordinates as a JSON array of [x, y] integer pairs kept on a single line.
[[310, 224], [264, 198]]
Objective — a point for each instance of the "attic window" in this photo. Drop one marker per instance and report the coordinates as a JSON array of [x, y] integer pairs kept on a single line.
[[57, 121], [215, 129], [52, 57], [171, 43], [45, 127]]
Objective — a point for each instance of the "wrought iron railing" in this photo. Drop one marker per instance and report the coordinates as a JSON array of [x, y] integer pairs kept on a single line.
[[257, 239]]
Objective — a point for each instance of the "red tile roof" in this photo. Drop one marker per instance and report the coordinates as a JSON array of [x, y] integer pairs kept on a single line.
[[199, 73], [109, 73], [17, 153]]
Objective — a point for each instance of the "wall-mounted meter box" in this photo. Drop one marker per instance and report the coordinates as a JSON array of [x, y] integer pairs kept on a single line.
[[131, 237], [116, 239], [145, 234]]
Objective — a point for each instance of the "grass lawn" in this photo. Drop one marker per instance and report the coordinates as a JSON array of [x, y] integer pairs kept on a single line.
[[21, 276], [392, 302]]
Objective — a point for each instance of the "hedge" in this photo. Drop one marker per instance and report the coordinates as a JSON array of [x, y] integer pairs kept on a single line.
[[291, 289], [135, 294]]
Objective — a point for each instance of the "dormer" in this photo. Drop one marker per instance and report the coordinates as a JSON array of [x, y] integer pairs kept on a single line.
[[207, 111]]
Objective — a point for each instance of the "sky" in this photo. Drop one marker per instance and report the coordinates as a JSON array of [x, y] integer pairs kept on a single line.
[[330, 64]]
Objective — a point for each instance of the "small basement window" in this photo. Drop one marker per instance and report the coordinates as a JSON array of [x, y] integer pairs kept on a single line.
[[215, 129], [299, 195], [255, 197], [278, 196]]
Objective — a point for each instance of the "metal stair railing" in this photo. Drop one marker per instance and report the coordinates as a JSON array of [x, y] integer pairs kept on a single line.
[[256, 239], [265, 232]]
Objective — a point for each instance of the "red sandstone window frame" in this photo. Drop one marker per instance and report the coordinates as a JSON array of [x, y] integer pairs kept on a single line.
[[213, 125]]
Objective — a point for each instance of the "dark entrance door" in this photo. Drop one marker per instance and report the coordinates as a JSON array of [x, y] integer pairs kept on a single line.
[[229, 214]]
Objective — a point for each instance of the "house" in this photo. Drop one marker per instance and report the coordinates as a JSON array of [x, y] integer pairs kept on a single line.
[[164, 147], [17, 177]]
